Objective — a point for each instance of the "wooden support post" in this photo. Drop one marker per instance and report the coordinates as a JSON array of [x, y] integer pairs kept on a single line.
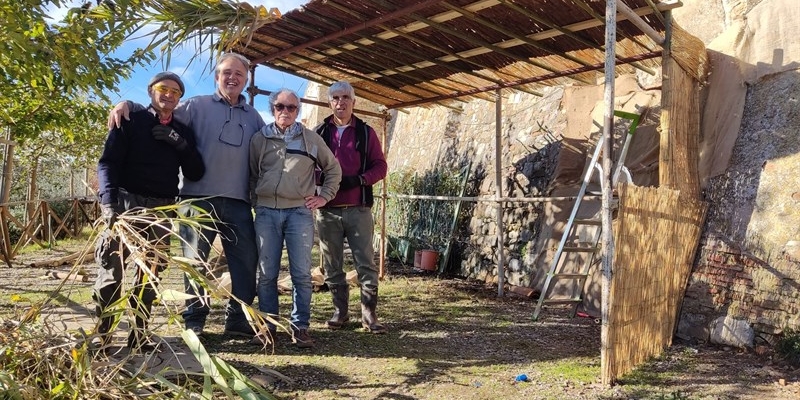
[[498, 177], [607, 238], [382, 265], [5, 246], [44, 210]]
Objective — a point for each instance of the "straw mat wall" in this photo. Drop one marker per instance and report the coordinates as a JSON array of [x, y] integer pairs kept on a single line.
[[680, 127], [658, 231]]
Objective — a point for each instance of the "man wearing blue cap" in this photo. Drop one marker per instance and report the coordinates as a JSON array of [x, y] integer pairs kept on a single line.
[[138, 170]]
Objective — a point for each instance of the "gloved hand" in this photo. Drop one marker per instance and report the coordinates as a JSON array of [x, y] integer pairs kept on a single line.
[[167, 134], [109, 214], [350, 181]]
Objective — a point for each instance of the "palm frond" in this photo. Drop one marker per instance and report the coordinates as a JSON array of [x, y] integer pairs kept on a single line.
[[215, 25]]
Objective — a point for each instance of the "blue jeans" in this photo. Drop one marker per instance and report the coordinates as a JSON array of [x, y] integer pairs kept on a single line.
[[233, 220], [295, 226]]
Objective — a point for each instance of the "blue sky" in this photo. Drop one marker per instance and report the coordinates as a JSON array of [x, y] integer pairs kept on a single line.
[[197, 76]]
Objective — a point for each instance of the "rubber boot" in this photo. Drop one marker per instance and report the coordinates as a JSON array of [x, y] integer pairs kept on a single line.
[[103, 331], [341, 302], [369, 319], [138, 337], [103, 299]]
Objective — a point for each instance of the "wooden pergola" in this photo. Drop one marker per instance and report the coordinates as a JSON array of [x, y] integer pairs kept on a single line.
[[409, 53], [405, 53]]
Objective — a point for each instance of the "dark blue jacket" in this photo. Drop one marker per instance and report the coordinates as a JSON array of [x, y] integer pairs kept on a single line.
[[135, 161]]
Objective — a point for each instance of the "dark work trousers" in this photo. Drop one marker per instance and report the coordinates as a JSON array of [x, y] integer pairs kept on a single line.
[[112, 256]]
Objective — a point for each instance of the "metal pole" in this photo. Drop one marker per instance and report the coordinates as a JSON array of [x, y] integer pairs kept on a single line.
[[607, 236], [498, 179]]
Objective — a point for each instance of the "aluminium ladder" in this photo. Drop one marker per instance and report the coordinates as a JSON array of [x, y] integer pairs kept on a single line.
[[575, 231]]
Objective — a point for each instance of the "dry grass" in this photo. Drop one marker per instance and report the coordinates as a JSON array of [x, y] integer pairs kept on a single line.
[[451, 339]]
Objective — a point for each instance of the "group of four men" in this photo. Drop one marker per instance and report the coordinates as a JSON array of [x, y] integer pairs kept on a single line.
[[232, 165]]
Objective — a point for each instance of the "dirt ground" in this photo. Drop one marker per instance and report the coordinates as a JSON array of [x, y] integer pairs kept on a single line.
[[449, 339]]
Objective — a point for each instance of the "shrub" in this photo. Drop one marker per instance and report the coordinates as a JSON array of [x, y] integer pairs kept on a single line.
[[788, 346]]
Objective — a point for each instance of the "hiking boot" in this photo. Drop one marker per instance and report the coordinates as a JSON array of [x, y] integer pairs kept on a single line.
[[239, 329], [302, 339]]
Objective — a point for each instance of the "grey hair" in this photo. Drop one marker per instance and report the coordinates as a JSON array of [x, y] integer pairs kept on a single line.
[[339, 87], [242, 59], [273, 97]]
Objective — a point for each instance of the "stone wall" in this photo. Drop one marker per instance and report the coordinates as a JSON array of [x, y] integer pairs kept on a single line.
[[727, 281], [450, 139], [747, 268]]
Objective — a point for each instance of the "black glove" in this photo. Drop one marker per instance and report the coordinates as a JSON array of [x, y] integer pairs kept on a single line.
[[109, 214], [349, 182], [167, 134]]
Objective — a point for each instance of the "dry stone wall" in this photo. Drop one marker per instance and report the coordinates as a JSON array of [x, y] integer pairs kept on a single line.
[[449, 139]]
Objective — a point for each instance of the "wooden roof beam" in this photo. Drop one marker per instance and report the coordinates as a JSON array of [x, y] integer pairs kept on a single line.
[[481, 20], [490, 46], [388, 17], [390, 33], [450, 55], [555, 31], [582, 4], [639, 22], [322, 80], [595, 67], [382, 43], [656, 11], [321, 56], [353, 74], [569, 30], [364, 41]]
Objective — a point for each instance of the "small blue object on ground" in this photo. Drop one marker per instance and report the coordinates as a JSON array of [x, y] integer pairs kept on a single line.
[[521, 378]]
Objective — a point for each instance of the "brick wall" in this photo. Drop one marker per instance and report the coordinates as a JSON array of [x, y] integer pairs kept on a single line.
[[727, 280]]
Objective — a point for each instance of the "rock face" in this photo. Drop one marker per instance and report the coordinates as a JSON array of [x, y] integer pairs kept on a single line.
[[729, 331], [747, 264]]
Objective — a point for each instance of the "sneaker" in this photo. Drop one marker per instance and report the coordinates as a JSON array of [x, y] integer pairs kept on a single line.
[[302, 339], [241, 329]]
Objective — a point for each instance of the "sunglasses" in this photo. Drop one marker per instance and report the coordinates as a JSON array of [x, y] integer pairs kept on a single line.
[[290, 107], [167, 90]]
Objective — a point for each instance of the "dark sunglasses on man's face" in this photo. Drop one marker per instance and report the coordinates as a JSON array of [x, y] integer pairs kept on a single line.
[[290, 107]]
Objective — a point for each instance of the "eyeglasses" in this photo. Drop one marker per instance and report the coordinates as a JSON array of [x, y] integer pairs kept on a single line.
[[167, 90], [290, 107], [232, 132], [340, 99]]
